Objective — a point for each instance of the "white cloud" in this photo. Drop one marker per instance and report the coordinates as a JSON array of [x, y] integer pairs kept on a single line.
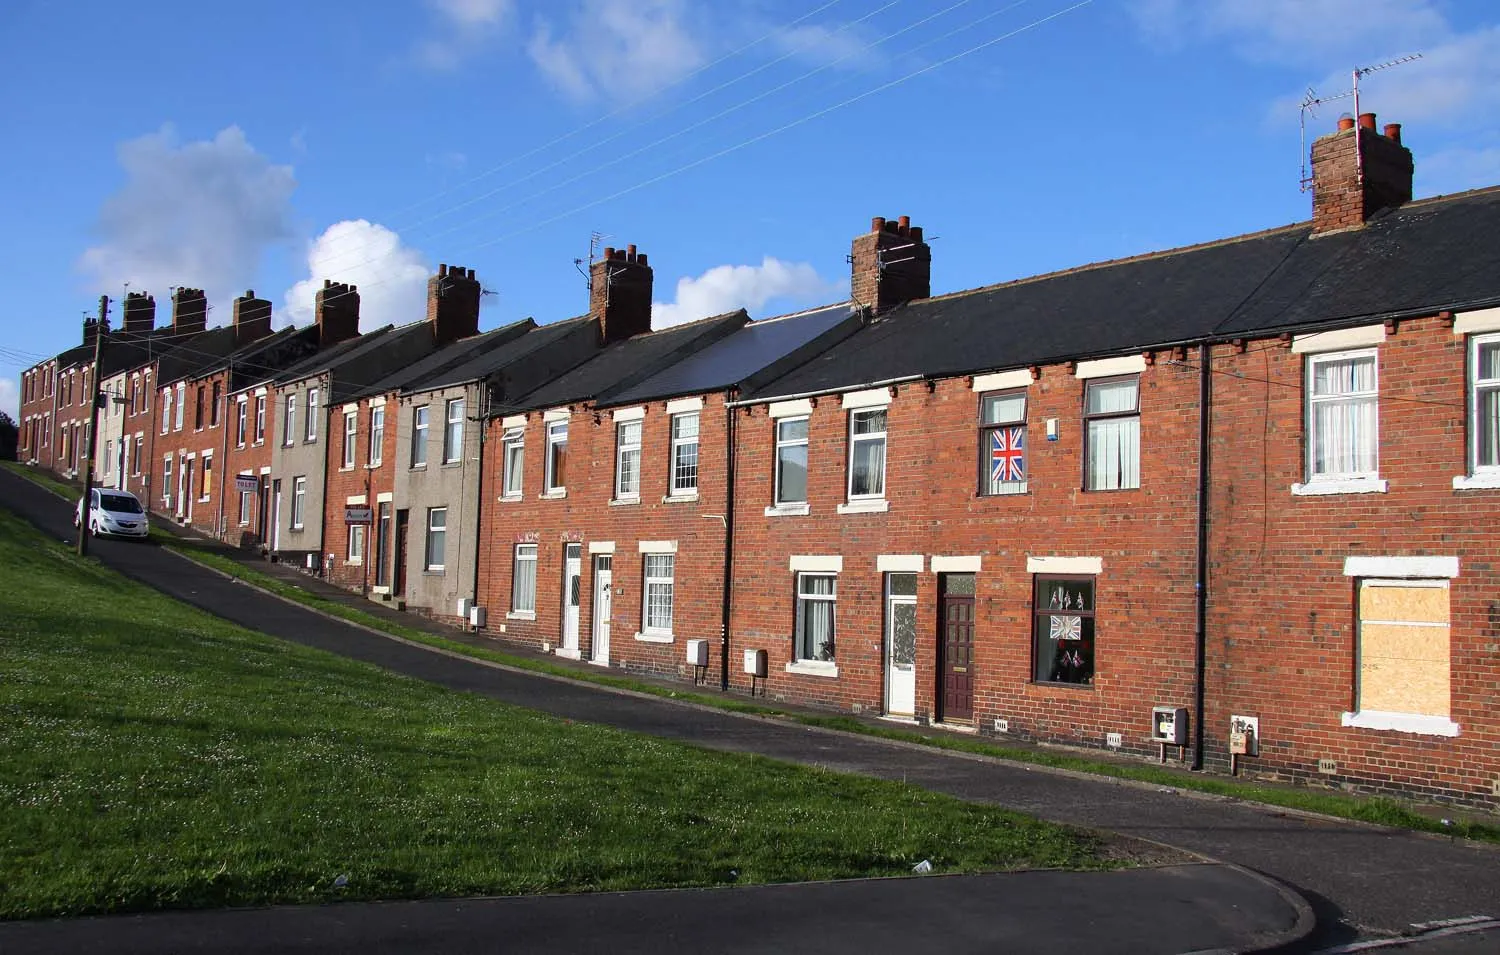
[[392, 278], [725, 288], [623, 47], [10, 399], [201, 214], [1298, 32], [464, 28], [832, 46], [1458, 169]]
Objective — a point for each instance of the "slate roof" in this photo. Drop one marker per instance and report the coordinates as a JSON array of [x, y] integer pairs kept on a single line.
[[330, 358], [626, 362], [451, 354], [1426, 256], [479, 366], [733, 359]]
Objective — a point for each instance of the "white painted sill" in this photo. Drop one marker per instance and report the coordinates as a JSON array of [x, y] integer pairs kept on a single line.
[[654, 637], [865, 507], [379, 590], [552, 495], [1479, 481], [680, 498], [1341, 486], [624, 501], [788, 510], [1402, 723], [520, 615], [355, 562], [813, 668], [510, 498]]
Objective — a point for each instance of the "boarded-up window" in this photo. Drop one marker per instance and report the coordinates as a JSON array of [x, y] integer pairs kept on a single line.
[[1403, 646]]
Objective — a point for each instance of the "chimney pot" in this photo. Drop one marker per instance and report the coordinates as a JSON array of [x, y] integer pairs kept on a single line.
[[469, 275], [442, 268], [630, 252], [1367, 121], [1393, 132], [641, 259], [609, 251], [877, 224], [249, 293], [903, 224], [915, 233], [1346, 122], [327, 283]]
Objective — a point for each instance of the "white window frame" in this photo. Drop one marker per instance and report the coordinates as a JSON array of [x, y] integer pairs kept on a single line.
[[433, 513], [659, 583], [260, 419], [513, 462], [166, 480], [1089, 417], [988, 487], [453, 432], [1311, 401], [421, 423], [799, 598], [786, 443], [557, 434], [245, 498], [519, 607], [299, 501], [206, 477], [377, 436], [870, 437], [628, 459], [356, 543], [1422, 724], [351, 438], [181, 400], [310, 431], [1477, 387], [166, 410], [242, 421], [289, 422], [678, 487]]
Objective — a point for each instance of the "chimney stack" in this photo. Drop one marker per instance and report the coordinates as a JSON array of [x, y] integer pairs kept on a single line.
[[620, 294], [337, 311], [1355, 178], [252, 319], [189, 311], [890, 265], [139, 314], [453, 304]]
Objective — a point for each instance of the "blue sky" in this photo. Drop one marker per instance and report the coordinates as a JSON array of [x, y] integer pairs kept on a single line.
[[272, 145]]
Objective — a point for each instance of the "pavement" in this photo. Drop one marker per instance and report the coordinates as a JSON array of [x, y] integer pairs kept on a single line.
[[1362, 885]]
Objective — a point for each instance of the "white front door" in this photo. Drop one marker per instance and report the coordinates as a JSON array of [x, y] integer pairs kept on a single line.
[[603, 574], [185, 490], [572, 584], [276, 515], [900, 644]]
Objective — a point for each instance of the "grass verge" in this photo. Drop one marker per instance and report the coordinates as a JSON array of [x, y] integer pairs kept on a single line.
[[157, 757], [1380, 811]]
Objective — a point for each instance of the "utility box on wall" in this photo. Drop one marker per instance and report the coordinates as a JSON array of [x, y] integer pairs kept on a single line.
[[756, 663], [697, 653], [1169, 724]]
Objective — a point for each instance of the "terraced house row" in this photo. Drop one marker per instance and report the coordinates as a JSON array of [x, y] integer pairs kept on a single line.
[[1240, 497]]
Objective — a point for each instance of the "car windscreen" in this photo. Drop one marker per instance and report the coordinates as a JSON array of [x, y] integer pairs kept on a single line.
[[120, 504]]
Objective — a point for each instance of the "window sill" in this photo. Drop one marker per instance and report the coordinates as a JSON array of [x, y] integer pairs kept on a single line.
[[510, 498], [1055, 685], [298, 528], [654, 637], [1402, 723], [418, 467], [624, 501], [1341, 486], [451, 464], [433, 572], [373, 466], [346, 469], [552, 495], [1475, 482], [865, 507], [1024, 488], [355, 562], [520, 615], [379, 590], [688, 498], [813, 668], [788, 510]]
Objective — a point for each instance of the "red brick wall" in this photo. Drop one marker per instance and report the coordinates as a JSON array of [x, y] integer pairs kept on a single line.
[[1144, 641], [345, 483], [586, 515], [1282, 634]]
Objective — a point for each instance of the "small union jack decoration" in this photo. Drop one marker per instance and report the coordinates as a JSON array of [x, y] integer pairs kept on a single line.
[[1066, 627], [1008, 454]]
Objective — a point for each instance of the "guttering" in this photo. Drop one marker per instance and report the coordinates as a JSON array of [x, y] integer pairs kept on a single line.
[[841, 389]]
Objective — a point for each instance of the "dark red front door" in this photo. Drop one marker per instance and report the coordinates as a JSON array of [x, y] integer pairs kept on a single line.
[[398, 582], [956, 648]]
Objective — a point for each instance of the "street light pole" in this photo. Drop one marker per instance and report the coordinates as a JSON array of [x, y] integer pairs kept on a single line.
[[100, 328]]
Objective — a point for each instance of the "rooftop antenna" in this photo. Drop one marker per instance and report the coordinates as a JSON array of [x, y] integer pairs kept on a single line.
[[596, 239], [1311, 100]]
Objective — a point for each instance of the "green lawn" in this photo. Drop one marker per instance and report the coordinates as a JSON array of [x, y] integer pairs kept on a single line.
[[156, 756]]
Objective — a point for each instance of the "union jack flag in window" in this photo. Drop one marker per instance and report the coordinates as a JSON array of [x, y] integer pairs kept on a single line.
[[1007, 455]]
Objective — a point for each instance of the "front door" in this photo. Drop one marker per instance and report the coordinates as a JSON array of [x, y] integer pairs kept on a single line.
[[185, 490], [398, 583], [956, 648], [382, 543], [603, 575], [572, 583], [900, 644], [262, 509], [276, 515]]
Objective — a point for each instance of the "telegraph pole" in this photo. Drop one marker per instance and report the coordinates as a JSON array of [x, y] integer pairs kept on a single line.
[[100, 329]]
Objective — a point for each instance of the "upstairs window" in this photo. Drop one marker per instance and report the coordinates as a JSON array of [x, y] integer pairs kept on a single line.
[[1484, 403], [557, 456], [1002, 443], [289, 421], [312, 415], [1112, 434], [351, 437], [166, 410], [239, 427], [627, 460], [181, 403], [419, 437], [1342, 416], [198, 408], [791, 461], [685, 453], [867, 454], [377, 436], [513, 456], [213, 405], [453, 436], [260, 418]]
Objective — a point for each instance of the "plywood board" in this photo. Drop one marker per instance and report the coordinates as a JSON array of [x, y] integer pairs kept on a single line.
[[1405, 604], [1404, 669]]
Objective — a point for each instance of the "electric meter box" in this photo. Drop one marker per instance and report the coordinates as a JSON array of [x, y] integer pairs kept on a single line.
[[756, 663], [697, 653], [1169, 724]]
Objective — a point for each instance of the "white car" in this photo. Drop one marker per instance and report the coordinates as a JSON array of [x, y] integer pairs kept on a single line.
[[116, 513]]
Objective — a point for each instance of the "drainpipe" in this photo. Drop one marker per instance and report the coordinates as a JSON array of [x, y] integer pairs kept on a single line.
[[729, 447], [481, 414], [223, 416], [1200, 656]]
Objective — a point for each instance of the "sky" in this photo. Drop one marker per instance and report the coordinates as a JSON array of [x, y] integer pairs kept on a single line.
[[271, 146]]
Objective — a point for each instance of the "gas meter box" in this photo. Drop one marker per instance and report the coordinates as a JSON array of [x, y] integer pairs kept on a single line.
[[1169, 724]]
